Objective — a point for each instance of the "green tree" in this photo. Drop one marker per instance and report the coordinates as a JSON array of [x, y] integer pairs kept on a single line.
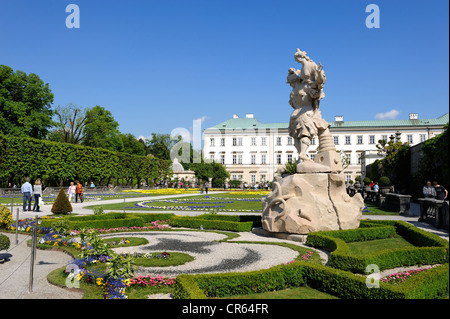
[[160, 144], [131, 145], [25, 104], [101, 130]]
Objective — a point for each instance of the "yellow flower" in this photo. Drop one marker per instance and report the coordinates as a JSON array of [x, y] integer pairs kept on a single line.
[[54, 236], [99, 281]]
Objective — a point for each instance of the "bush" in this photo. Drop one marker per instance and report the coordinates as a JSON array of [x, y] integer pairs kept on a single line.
[[110, 220], [191, 222], [385, 181], [434, 249], [5, 217], [4, 242], [62, 204], [430, 284], [366, 181]]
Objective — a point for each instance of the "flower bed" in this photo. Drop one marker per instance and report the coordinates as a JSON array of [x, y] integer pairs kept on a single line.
[[400, 277]]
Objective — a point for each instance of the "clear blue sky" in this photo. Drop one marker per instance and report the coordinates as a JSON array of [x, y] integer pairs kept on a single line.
[[158, 65]]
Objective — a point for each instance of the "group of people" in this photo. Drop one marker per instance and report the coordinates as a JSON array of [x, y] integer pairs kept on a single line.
[[35, 191], [28, 192], [76, 191], [374, 186], [434, 191]]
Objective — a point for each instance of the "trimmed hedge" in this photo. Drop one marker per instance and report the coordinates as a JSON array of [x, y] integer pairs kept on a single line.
[[4, 242], [55, 161], [255, 219], [191, 222], [110, 220], [433, 250], [432, 283]]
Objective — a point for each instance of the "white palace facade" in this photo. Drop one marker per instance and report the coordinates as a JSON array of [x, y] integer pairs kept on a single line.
[[252, 151]]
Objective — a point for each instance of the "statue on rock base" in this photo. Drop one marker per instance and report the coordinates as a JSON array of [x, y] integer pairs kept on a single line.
[[315, 198]]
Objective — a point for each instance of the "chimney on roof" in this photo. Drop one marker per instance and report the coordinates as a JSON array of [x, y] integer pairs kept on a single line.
[[235, 116], [339, 118], [413, 116], [249, 115]]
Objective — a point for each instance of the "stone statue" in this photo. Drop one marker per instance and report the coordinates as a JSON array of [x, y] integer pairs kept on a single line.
[[306, 121], [315, 198]]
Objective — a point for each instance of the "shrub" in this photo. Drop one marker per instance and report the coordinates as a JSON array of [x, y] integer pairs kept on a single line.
[[434, 249], [385, 181], [5, 217], [62, 204], [190, 222], [98, 210], [110, 220], [4, 242], [366, 181], [433, 283]]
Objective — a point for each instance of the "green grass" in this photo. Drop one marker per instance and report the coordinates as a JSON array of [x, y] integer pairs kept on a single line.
[[375, 210], [290, 293], [378, 245], [175, 259]]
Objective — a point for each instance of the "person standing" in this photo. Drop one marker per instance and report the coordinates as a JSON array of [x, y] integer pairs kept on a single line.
[[429, 191], [71, 191], [27, 191], [376, 187], [37, 190], [441, 192], [78, 192], [206, 188]]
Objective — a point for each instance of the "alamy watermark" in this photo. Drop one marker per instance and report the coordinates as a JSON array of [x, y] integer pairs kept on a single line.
[[73, 19], [373, 19], [373, 280]]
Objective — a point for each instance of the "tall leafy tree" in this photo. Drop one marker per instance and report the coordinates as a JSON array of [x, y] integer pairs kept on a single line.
[[160, 144], [102, 130], [131, 145], [25, 104]]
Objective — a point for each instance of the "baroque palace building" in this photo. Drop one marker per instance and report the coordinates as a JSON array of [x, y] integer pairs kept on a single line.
[[252, 151]]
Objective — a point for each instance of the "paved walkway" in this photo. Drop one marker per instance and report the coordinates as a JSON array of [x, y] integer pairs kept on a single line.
[[15, 273]]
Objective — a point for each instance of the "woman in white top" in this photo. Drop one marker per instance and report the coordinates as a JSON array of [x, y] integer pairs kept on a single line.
[[71, 191], [37, 192]]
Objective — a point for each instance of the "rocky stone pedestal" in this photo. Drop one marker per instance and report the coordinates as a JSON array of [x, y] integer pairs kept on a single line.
[[304, 203]]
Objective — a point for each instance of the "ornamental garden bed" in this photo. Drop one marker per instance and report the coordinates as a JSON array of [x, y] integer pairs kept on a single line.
[[342, 277]]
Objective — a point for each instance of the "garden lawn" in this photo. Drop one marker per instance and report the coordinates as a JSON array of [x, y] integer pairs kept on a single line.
[[290, 293], [375, 210], [373, 246]]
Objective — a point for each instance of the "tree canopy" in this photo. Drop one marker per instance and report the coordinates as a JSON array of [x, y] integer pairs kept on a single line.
[[25, 104]]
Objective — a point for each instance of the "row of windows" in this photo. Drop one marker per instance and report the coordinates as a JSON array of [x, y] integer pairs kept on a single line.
[[238, 141], [253, 180], [372, 140], [237, 158]]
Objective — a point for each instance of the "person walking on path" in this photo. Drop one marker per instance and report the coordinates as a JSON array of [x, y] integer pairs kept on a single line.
[[27, 191], [37, 190], [71, 191], [429, 191], [206, 188], [78, 192], [441, 192]]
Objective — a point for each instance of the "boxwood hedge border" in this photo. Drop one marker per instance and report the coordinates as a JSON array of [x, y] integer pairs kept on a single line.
[[432, 249]]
